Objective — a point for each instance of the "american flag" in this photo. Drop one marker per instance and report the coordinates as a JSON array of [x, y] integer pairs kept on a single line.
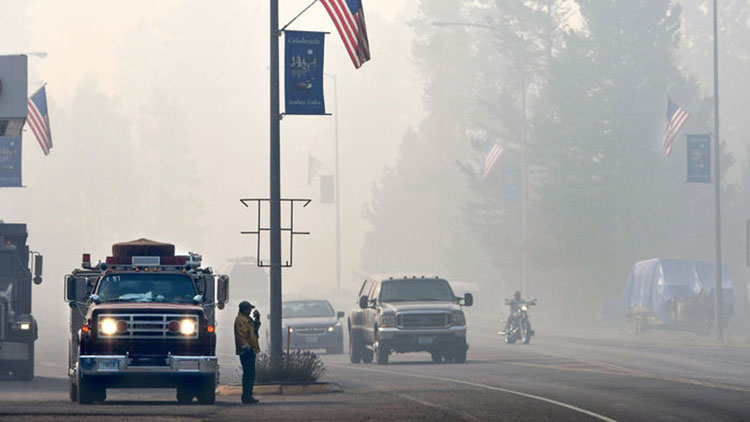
[[349, 18], [676, 117], [491, 159], [39, 119]]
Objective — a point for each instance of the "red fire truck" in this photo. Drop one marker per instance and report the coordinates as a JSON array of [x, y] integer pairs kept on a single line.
[[144, 318]]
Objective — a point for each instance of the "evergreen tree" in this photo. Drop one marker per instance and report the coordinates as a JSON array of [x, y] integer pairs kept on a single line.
[[612, 196]]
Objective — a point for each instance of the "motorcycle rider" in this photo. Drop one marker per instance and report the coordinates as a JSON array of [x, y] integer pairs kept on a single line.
[[514, 304]]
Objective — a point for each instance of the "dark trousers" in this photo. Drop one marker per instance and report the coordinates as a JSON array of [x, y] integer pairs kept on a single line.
[[247, 359]]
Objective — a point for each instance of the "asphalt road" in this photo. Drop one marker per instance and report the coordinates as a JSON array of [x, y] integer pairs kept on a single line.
[[559, 376]]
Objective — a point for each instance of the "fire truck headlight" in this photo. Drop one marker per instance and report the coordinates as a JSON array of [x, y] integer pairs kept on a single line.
[[24, 326], [108, 326], [187, 327]]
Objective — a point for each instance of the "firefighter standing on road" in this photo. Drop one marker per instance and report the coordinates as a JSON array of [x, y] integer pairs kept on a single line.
[[246, 343]]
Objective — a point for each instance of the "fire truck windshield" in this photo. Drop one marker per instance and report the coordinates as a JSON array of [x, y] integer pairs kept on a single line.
[[152, 287]]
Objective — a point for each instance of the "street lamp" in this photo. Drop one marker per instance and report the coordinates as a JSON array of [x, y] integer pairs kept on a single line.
[[337, 189]]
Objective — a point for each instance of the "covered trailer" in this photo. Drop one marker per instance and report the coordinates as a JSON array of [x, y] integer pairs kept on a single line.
[[675, 294]]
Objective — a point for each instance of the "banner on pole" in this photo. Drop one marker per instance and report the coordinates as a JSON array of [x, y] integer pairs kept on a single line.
[[699, 158], [10, 162], [303, 72], [327, 189]]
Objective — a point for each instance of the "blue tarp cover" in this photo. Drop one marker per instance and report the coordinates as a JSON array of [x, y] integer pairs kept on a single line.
[[653, 283]]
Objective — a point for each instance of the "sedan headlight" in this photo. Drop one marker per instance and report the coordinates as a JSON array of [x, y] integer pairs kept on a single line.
[[458, 318], [108, 326], [187, 327]]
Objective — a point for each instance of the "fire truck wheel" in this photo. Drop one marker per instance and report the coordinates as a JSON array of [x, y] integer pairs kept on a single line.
[[207, 391], [72, 390], [88, 391], [185, 393], [25, 371]]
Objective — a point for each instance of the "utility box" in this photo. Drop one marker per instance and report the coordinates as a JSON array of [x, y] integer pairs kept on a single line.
[[13, 94]]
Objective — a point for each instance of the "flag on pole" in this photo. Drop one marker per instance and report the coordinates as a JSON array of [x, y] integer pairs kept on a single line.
[[491, 159], [349, 18], [39, 119], [676, 117], [313, 165]]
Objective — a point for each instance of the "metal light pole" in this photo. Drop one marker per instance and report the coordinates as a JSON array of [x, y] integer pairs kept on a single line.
[[524, 193], [524, 181], [337, 189], [717, 184], [275, 187]]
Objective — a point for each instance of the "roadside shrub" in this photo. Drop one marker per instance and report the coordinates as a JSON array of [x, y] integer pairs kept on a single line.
[[297, 366]]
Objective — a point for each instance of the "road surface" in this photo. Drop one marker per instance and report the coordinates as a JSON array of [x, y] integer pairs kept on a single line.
[[559, 376]]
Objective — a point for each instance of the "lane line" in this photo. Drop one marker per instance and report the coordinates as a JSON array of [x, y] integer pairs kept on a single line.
[[488, 387], [461, 414], [613, 369], [650, 375]]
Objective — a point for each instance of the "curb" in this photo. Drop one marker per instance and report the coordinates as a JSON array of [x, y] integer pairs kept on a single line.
[[282, 389]]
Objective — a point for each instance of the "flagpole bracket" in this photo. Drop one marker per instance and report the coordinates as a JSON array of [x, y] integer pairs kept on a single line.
[[283, 28]]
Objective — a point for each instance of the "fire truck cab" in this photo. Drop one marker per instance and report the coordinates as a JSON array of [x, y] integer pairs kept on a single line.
[[145, 318]]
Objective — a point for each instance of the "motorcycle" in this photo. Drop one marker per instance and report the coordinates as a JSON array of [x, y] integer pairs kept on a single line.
[[520, 327]]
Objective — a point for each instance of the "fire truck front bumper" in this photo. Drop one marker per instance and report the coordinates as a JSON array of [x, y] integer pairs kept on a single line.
[[113, 365]]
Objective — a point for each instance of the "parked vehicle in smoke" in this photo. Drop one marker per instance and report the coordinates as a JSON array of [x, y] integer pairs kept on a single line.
[[675, 294], [18, 327], [144, 319], [312, 325], [408, 314], [520, 326]]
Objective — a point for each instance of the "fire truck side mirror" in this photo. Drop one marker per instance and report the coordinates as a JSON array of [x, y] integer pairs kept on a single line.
[[70, 288], [38, 262], [222, 291]]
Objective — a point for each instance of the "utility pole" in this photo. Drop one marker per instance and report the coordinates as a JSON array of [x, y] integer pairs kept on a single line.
[[717, 184], [524, 193], [337, 190], [275, 194]]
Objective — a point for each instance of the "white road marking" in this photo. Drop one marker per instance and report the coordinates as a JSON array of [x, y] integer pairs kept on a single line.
[[488, 387], [454, 412]]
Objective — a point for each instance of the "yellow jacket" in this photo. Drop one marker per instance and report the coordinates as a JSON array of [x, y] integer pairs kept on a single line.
[[244, 334]]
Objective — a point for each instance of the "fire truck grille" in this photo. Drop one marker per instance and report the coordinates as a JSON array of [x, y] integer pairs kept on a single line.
[[432, 320], [149, 326]]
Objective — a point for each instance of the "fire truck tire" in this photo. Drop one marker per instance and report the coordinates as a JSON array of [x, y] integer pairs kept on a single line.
[[25, 371], [87, 391], [207, 391], [72, 389], [185, 393]]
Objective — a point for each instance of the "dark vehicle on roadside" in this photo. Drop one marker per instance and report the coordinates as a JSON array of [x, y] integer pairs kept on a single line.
[[408, 314], [312, 325], [144, 319], [520, 326], [18, 328]]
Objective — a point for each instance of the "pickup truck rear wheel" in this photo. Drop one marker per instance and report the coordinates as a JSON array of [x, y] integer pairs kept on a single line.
[[382, 355]]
